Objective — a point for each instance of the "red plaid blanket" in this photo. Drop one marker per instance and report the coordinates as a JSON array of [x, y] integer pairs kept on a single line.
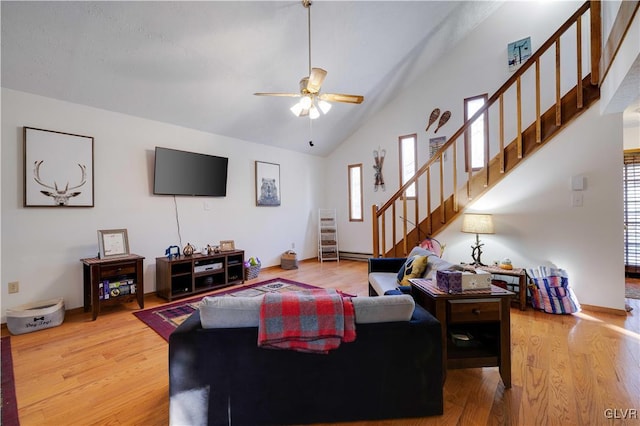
[[314, 321]]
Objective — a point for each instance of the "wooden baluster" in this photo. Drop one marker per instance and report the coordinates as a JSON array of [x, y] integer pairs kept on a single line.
[[538, 121], [384, 233], [501, 154], [374, 223], [404, 224], [579, 59], [443, 218], [455, 176], [416, 210], [519, 118], [558, 95], [430, 218], [393, 229], [596, 41], [485, 118]]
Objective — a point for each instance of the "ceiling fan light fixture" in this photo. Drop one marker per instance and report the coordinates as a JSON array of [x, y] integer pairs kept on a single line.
[[313, 112], [296, 109], [324, 106], [306, 102]]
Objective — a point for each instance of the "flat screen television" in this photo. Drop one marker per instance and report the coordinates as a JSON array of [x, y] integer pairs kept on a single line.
[[189, 173]]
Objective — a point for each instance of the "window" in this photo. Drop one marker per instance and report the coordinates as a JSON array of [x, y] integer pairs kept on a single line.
[[355, 193], [631, 198], [475, 136], [408, 161]]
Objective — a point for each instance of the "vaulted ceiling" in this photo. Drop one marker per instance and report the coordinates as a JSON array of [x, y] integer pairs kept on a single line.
[[197, 64]]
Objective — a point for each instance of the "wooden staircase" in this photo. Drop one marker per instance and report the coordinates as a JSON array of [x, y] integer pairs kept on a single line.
[[394, 224]]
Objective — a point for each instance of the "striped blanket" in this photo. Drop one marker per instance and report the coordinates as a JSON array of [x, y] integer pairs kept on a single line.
[[315, 321]]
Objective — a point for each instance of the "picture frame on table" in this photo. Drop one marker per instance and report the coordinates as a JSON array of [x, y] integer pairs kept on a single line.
[[113, 243], [227, 245], [267, 184], [58, 169]]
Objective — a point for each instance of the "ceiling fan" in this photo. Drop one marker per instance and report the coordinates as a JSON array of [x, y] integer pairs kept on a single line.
[[311, 100]]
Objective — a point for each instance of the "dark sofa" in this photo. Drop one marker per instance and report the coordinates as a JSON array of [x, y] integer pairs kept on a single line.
[[219, 376]]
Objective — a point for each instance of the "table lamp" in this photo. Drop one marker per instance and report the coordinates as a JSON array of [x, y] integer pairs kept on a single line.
[[477, 224]]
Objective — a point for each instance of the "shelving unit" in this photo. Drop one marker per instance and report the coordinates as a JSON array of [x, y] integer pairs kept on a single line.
[[184, 276], [327, 235], [112, 281]]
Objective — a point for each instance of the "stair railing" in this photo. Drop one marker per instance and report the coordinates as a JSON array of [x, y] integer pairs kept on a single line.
[[441, 182]]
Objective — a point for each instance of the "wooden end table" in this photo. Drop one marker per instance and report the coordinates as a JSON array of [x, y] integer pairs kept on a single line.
[[515, 272], [111, 281], [485, 314]]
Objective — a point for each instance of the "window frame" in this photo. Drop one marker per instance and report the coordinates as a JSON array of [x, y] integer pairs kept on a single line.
[[351, 167], [401, 166], [468, 134]]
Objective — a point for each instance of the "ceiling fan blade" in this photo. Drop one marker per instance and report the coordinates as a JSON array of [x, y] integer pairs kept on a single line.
[[315, 80], [340, 97], [290, 95]]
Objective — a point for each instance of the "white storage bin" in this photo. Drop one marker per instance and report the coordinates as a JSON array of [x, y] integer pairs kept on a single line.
[[35, 316]]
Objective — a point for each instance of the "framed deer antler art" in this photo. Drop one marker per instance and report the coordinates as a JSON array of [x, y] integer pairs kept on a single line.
[[58, 169]]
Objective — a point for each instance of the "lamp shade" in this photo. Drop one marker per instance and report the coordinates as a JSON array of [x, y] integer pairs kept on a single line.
[[477, 223]]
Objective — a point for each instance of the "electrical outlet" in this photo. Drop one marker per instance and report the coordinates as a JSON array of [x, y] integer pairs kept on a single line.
[[14, 287], [293, 246]]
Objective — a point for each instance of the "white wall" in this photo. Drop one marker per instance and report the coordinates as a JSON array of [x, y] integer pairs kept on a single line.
[[41, 247], [534, 219]]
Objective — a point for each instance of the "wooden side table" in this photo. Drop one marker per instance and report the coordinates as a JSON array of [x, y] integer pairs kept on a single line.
[[112, 281], [483, 313], [515, 272]]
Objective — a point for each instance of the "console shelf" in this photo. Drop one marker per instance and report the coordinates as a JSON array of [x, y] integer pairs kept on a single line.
[[184, 276]]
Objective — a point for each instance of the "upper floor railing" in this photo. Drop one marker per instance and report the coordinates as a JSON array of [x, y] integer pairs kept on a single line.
[[545, 91]]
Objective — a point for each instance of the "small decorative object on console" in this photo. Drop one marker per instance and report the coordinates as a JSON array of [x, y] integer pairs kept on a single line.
[[506, 264], [227, 245], [188, 249], [172, 251]]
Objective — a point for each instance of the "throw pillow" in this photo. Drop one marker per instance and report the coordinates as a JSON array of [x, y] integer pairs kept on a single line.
[[413, 268]]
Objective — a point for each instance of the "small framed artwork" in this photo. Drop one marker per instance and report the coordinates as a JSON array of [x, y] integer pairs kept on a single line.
[[58, 169], [113, 243], [227, 245], [518, 52], [435, 144], [267, 184]]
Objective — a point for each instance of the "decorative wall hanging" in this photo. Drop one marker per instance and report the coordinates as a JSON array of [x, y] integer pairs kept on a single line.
[[432, 118], [435, 144], [443, 120], [378, 157], [518, 52], [58, 169], [267, 184]]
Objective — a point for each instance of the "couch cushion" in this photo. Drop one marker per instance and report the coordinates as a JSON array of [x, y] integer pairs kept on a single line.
[[413, 268], [382, 282], [230, 312], [383, 309], [237, 312]]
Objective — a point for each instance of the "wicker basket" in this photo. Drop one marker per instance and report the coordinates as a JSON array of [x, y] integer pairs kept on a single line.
[[251, 272]]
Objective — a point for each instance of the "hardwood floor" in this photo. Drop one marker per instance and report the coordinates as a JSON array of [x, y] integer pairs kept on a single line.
[[567, 369]]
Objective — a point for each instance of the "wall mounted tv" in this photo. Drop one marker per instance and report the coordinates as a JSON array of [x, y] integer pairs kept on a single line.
[[189, 173]]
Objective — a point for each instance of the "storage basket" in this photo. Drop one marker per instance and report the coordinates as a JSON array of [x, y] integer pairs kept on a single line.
[[35, 316], [289, 260], [252, 271]]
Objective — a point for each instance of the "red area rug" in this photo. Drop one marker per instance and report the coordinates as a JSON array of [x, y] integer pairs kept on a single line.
[[8, 395], [164, 319]]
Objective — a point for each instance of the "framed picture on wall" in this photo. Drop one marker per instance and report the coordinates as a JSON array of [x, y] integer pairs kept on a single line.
[[518, 52], [267, 184], [58, 169], [435, 144]]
